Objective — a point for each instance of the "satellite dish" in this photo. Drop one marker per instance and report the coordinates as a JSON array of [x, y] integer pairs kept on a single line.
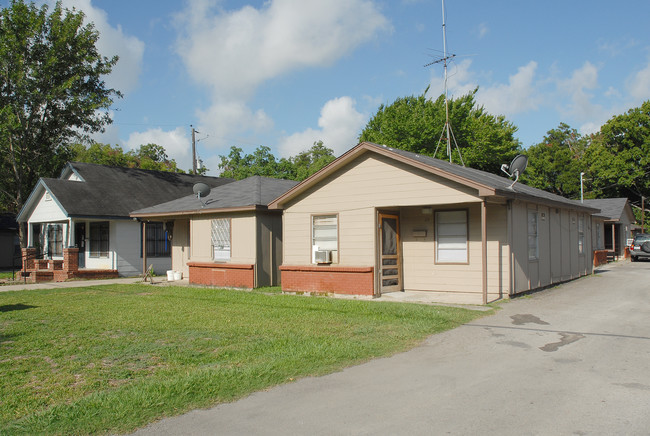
[[516, 167], [201, 190]]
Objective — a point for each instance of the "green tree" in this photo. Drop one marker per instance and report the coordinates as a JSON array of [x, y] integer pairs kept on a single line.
[[153, 157], [103, 154], [51, 91], [619, 156], [262, 162], [555, 164], [309, 162], [415, 124], [148, 156]]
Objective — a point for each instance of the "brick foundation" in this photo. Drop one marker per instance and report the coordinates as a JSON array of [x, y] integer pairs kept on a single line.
[[328, 279], [57, 270], [222, 274], [600, 257]]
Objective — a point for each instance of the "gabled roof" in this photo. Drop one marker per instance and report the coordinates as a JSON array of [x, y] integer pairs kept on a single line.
[[612, 209], [486, 184], [248, 194], [114, 192]]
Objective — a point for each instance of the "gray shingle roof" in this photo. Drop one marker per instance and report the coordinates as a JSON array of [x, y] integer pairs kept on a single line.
[[115, 192], [610, 208], [250, 192], [500, 184]]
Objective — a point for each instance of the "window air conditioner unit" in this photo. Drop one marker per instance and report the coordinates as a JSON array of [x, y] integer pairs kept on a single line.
[[323, 256]]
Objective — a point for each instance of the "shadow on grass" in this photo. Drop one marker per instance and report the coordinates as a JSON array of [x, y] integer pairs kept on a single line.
[[12, 307]]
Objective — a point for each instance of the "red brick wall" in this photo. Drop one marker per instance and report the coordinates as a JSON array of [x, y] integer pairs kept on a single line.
[[222, 274], [600, 257], [329, 279]]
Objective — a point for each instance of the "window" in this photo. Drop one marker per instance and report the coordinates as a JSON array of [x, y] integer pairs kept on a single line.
[[54, 240], [451, 236], [599, 236], [533, 251], [99, 239], [581, 234], [158, 243], [324, 235], [221, 239]]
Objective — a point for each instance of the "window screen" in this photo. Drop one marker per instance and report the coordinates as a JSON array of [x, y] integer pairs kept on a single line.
[[221, 239], [325, 235], [158, 243], [451, 236], [533, 252], [99, 236]]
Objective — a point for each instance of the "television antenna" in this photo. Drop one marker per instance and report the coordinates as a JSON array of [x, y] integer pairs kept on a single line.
[[201, 190], [516, 167], [447, 131]]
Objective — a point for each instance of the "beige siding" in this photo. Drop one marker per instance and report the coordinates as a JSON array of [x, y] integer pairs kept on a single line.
[[181, 246], [242, 237], [354, 193]]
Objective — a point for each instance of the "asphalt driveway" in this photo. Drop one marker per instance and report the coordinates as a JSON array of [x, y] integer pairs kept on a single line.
[[574, 359]]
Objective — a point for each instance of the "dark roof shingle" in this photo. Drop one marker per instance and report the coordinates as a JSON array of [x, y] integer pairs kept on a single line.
[[115, 192], [249, 192]]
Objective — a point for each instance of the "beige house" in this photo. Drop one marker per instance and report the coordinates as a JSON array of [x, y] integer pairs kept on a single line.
[[380, 220], [229, 237]]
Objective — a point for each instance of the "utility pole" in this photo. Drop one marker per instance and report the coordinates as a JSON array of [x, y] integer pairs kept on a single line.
[[582, 192], [194, 132]]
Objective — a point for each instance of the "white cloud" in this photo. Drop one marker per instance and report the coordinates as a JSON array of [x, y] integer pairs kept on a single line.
[[519, 95], [113, 41], [339, 127], [234, 52], [460, 80], [483, 30], [639, 85], [177, 143], [226, 119], [577, 87]]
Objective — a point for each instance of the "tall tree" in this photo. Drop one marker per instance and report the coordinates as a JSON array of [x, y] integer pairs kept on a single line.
[[619, 156], [555, 164], [415, 124], [51, 92]]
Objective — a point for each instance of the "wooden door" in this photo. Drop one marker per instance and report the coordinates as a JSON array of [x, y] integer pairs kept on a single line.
[[390, 262]]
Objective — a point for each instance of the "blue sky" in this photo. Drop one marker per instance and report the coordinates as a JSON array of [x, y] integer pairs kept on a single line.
[[287, 73]]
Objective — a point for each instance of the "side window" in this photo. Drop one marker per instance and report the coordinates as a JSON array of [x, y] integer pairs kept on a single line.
[[581, 234], [533, 250], [451, 237], [158, 244], [221, 239], [325, 236], [99, 237]]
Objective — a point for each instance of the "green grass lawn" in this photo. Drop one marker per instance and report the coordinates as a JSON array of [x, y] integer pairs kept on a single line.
[[6, 275], [113, 358]]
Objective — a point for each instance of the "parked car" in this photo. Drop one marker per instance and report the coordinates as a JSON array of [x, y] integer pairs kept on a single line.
[[640, 247]]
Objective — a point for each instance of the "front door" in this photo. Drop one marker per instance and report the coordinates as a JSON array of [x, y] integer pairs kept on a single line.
[[80, 242], [390, 262]]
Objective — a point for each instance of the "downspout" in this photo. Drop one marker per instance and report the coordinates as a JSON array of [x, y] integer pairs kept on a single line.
[[144, 248], [484, 250], [511, 256]]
